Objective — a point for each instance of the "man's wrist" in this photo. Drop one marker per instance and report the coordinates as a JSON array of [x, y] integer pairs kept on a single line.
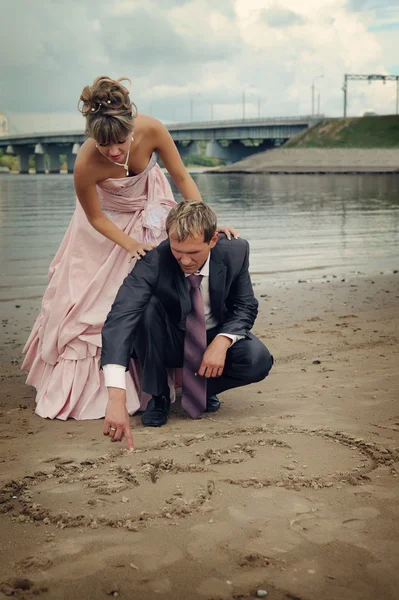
[[223, 340], [116, 394]]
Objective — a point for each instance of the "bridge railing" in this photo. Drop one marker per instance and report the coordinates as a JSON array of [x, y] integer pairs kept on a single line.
[[221, 124], [244, 122]]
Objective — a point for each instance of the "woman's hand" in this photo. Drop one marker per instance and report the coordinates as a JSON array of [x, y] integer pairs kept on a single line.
[[137, 250], [228, 231]]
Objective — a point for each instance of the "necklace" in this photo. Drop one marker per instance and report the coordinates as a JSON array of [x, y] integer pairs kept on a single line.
[[125, 164]]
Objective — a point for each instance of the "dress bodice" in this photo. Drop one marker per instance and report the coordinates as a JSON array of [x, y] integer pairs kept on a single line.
[[117, 194], [147, 193]]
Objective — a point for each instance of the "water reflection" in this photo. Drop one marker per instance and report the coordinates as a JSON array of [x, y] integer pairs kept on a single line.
[[298, 225]]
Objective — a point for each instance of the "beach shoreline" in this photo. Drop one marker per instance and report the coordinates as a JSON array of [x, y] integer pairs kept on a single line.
[[292, 487], [317, 161]]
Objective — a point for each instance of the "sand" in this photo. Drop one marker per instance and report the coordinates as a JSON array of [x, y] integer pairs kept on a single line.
[[318, 160], [291, 488]]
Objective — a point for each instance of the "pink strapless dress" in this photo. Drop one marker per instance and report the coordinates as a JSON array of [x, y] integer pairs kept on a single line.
[[62, 353]]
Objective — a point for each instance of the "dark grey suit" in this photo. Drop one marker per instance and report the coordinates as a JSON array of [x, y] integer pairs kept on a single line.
[[149, 314]]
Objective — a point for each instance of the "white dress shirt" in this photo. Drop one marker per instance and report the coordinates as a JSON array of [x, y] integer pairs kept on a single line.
[[115, 375]]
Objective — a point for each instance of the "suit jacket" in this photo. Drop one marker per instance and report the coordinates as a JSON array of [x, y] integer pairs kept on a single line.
[[158, 274]]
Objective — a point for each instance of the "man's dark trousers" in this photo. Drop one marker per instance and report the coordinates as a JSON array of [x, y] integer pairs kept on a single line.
[[159, 345]]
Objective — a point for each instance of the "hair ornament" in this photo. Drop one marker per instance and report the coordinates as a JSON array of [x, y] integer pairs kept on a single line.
[[108, 101]]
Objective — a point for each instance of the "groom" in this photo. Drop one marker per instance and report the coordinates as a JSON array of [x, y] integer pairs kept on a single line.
[[187, 303]]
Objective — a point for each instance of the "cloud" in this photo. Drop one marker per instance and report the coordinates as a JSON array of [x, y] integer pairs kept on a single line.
[[149, 37], [281, 18], [198, 56], [44, 56], [330, 40]]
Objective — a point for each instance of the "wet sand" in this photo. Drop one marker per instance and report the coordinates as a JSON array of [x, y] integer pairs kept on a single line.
[[292, 487]]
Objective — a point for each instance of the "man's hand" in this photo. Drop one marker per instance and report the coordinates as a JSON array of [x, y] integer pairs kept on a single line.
[[117, 422], [212, 364]]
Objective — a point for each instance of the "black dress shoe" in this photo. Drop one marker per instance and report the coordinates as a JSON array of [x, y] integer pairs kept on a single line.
[[212, 404], [157, 411]]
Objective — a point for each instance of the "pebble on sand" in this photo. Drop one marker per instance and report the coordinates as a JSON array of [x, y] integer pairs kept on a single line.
[[261, 593]]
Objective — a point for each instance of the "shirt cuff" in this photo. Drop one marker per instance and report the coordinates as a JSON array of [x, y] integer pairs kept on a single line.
[[232, 337], [115, 376]]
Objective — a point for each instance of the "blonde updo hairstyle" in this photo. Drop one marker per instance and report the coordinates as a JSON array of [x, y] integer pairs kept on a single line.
[[108, 110]]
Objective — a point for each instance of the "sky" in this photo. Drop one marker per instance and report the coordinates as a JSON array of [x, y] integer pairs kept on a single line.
[[196, 59]]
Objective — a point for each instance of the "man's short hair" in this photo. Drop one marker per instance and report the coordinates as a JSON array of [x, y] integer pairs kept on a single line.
[[189, 218]]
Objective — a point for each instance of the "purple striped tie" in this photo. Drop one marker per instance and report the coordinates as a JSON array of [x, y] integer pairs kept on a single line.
[[194, 387]]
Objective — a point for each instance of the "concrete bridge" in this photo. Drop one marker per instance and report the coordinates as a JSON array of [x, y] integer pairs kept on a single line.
[[228, 140]]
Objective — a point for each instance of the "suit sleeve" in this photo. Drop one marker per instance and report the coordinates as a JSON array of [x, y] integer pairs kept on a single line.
[[241, 303], [124, 317]]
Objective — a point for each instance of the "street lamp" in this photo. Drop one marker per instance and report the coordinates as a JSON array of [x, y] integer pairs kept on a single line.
[[244, 102], [313, 87], [211, 110], [318, 100], [260, 102]]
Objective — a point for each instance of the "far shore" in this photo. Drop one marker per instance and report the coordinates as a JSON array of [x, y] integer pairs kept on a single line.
[[301, 171], [305, 161], [309, 161], [190, 169]]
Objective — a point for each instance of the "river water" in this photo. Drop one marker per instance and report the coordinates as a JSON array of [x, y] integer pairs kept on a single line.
[[299, 226]]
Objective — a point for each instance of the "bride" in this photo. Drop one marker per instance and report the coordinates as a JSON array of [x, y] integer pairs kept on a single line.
[[123, 198]]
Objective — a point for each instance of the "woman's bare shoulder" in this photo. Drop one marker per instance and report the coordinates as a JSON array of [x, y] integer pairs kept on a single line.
[[87, 152], [147, 124], [88, 164]]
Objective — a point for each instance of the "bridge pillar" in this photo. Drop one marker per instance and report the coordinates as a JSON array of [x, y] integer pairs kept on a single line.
[[39, 159], [235, 150], [71, 156], [185, 149], [215, 150], [39, 163], [231, 153], [54, 156], [23, 154], [70, 161]]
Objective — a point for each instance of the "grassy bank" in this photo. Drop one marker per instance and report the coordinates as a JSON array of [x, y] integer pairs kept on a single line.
[[363, 132]]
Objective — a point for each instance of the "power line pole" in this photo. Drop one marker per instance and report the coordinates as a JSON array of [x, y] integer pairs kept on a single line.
[[345, 90], [369, 78], [317, 77], [312, 99]]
